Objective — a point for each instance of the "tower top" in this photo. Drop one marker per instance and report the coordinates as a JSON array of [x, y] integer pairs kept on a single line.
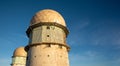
[[47, 15], [20, 52]]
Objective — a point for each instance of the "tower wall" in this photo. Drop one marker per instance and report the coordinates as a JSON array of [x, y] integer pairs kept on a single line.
[[44, 55], [47, 34], [49, 54], [18, 61]]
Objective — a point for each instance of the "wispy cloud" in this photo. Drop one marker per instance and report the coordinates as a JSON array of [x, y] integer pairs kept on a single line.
[[104, 36], [93, 58], [5, 61], [87, 58], [82, 23], [13, 39], [10, 41], [75, 34]]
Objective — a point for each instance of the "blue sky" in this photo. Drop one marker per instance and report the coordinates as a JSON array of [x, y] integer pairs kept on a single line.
[[94, 28]]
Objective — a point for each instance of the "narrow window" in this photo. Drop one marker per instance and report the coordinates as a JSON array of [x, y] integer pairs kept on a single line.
[[49, 45], [48, 27], [48, 36], [27, 57], [48, 55]]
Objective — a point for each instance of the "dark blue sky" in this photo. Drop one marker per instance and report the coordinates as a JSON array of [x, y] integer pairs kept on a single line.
[[94, 28]]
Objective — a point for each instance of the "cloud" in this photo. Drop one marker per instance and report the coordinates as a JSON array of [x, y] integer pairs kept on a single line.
[[91, 53], [87, 58], [75, 32], [5, 62], [104, 36], [14, 39], [93, 58], [82, 23], [116, 58], [10, 41]]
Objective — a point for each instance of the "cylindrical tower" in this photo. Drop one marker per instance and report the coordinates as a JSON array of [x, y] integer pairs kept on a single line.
[[19, 57], [47, 40]]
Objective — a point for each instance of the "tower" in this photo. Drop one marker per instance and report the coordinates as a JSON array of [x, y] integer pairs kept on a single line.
[[47, 40], [19, 57]]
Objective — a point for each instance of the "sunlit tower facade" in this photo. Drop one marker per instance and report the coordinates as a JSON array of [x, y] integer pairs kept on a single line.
[[19, 57], [47, 40]]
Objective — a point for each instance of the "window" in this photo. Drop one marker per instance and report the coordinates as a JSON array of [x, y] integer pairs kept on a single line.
[[27, 57], [47, 35], [49, 45], [48, 27], [48, 55]]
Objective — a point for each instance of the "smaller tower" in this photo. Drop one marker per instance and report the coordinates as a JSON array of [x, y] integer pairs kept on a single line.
[[19, 57]]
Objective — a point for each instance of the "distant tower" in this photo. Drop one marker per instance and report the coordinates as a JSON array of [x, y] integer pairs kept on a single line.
[[19, 57], [47, 40]]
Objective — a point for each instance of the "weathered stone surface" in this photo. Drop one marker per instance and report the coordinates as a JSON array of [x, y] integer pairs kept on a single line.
[[48, 15]]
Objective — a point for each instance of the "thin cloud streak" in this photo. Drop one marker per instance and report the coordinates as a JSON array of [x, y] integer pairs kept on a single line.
[[5, 62], [87, 58]]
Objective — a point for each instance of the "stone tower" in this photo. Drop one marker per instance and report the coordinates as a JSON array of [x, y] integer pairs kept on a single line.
[[47, 40], [19, 57]]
